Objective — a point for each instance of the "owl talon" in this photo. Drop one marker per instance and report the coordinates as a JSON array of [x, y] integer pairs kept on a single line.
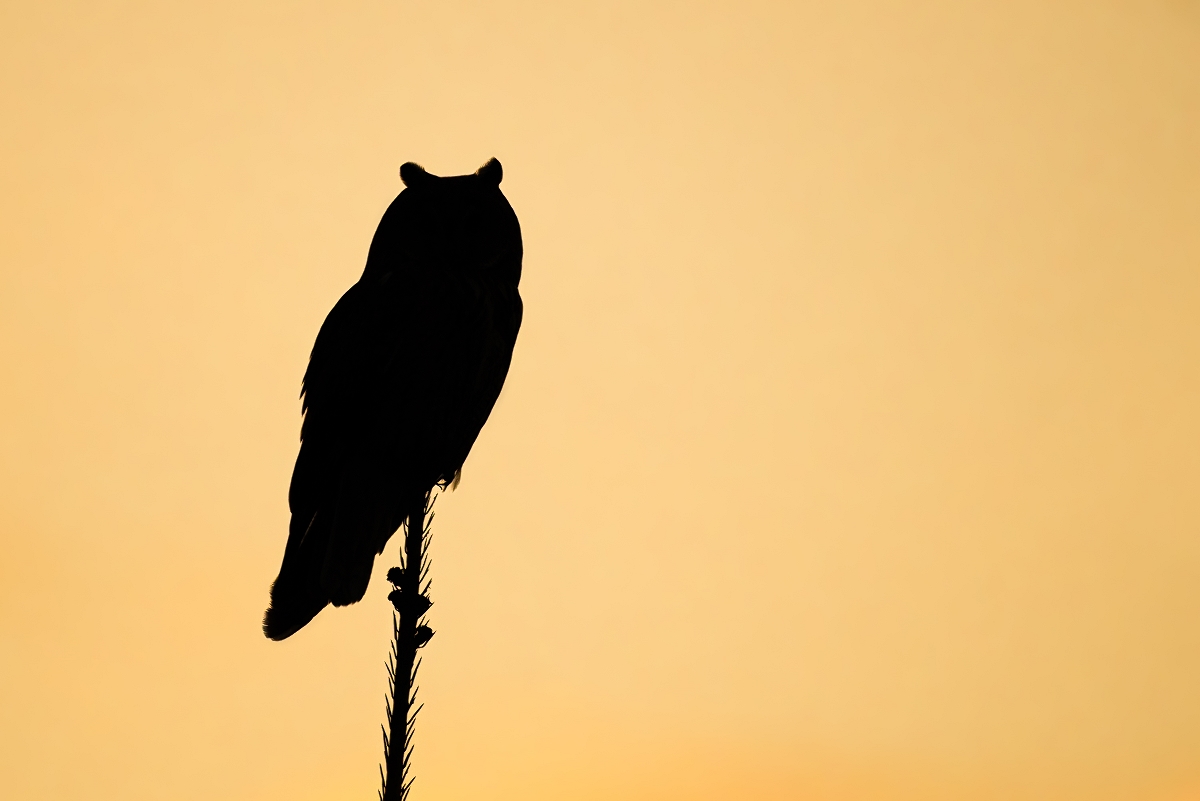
[[420, 604]]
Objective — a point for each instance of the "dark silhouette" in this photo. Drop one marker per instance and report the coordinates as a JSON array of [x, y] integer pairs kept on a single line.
[[402, 377]]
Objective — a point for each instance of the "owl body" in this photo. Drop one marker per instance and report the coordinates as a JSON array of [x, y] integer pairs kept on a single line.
[[404, 373]]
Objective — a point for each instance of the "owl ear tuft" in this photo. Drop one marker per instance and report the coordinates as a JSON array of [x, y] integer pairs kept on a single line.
[[491, 172], [413, 174]]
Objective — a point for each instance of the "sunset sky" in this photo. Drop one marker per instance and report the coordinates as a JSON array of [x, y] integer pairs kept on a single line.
[[850, 450]]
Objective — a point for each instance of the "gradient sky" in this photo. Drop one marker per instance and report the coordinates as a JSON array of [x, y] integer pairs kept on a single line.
[[850, 449]]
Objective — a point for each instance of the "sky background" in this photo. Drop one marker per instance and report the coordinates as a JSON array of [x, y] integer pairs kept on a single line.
[[850, 450]]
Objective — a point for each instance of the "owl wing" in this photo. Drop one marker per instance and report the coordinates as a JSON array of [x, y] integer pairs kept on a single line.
[[468, 366], [338, 496]]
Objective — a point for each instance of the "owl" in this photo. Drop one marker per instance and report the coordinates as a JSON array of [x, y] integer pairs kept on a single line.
[[403, 374]]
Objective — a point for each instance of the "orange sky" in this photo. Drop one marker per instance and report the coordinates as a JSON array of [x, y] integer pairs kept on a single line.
[[850, 450]]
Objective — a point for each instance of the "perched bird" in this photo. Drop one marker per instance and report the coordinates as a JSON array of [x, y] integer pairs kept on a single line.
[[404, 373]]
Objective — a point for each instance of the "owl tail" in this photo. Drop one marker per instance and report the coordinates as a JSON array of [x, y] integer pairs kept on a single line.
[[298, 594], [329, 560]]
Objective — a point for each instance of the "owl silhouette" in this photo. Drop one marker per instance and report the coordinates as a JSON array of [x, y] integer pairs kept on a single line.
[[403, 374]]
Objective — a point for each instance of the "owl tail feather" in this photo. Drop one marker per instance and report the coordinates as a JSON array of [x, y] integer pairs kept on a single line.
[[297, 594]]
